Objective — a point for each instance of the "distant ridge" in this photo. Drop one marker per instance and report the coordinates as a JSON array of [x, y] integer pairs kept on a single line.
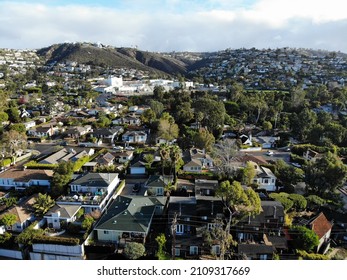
[[106, 56], [162, 64]]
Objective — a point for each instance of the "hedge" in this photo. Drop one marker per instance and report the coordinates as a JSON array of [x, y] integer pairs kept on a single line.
[[6, 162], [56, 240], [34, 165]]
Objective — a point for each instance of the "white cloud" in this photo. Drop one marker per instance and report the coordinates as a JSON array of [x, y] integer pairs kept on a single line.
[[266, 23]]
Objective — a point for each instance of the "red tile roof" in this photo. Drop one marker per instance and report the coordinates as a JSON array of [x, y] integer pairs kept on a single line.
[[320, 225]]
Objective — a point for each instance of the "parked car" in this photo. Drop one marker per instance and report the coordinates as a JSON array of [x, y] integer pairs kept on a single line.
[[119, 148], [130, 148], [270, 153]]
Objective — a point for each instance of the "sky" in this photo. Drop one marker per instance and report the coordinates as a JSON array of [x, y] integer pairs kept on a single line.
[[176, 25]]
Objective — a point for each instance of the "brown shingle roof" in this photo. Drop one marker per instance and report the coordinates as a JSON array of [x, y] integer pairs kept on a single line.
[[26, 175]]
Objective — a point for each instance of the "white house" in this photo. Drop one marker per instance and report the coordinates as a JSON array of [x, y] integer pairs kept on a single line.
[[19, 179], [134, 137], [61, 213], [264, 178], [92, 190]]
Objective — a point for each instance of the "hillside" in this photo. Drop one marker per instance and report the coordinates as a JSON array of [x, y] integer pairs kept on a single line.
[[113, 57]]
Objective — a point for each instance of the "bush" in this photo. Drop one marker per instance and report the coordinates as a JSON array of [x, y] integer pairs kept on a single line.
[[311, 256]]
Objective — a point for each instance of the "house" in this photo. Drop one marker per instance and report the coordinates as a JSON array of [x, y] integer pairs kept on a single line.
[[322, 227], [67, 154], [29, 124], [156, 184], [106, 134], [61, 213], [133, 121], [134, 137], [21, 179], [125, 156], [264, 178], [255, 251], [311, 155], [77, 131], [196, 160], [106, 160], [128, 219], [137, 166], [182, 225], [24, 213], [269, 220], [246, 139], [92, 191], [266, 142], [42, 131]]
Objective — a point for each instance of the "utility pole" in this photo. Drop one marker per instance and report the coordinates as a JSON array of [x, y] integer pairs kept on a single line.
[[173, 229]]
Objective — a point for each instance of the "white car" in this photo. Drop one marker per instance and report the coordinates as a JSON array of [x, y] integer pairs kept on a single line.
[[270, 153], [119, 148], [130, 148]]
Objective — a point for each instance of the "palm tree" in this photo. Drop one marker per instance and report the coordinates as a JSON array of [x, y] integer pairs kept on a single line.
[[164, 151], [175, 156], [43, 203]]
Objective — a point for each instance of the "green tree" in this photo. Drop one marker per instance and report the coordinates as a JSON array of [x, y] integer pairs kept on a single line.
[[283, 199], [157, 107], [27, 236], [42, 204], [299, 201], [61, 177], [304, 238], [167, 129], [12, 142], [134, 250], [164, 151], [326, 174], [161, 241], [288, 175], [218, 234], [213, 113], [3, 117], [148, 116], [87, 222], [8, 220], [204, 140], [19, 127], [175, 156], [238, 200], [149, 158], [314, 201], [248, 174]]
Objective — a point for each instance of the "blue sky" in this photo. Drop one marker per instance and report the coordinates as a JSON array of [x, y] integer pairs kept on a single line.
[[176, 25]]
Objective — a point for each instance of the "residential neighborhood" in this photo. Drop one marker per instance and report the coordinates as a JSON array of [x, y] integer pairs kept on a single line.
[[243, 158]]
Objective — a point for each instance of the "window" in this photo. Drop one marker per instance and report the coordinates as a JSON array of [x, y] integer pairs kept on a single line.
[[106, 231], [210, 226], [266, 181], [177, 252], [179, 229], [193, 250], [263, 257], [215, 250]]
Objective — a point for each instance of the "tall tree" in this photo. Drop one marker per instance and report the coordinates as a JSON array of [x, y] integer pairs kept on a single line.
[[238, 200], [326, 174], [223, 153], [168, 129], [12, 142]]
